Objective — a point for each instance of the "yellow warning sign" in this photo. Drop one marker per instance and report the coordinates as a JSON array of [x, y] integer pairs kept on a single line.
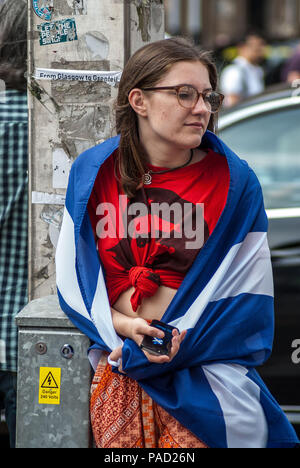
[[49, 386]]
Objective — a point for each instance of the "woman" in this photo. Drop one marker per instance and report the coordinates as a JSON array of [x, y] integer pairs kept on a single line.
[[159, 257]]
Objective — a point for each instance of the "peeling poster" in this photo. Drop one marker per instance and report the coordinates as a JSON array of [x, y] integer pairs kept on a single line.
[[58, 31]]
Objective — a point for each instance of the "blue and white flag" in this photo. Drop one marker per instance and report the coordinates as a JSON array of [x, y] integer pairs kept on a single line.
[[225, 302]]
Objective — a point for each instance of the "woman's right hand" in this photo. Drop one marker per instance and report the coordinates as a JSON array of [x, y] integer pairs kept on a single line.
[[136, 328], [140, 327]]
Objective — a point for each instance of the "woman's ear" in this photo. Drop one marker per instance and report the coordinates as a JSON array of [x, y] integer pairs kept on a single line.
[[137, 101]]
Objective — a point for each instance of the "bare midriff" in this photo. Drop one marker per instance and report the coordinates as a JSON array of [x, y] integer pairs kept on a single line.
[[151, 308]]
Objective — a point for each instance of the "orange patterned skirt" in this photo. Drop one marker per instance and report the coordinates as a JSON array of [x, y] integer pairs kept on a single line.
[[124, 416]]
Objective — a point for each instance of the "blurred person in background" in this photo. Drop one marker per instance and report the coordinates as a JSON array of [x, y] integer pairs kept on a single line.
[[245, 76], [291, 70], [13, 195]]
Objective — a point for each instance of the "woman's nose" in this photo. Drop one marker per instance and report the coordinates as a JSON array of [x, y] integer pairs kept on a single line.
[[200, 106]]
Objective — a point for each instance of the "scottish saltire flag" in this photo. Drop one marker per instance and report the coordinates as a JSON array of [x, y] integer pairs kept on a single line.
[[225, 302]]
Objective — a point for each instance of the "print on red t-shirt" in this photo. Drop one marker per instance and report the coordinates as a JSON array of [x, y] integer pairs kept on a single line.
[[153, 239]]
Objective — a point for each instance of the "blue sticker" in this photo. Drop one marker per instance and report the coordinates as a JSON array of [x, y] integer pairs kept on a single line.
[[58, 31], [44, 11]]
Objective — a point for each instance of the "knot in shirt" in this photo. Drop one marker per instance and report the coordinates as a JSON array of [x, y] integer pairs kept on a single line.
[[145, 281]]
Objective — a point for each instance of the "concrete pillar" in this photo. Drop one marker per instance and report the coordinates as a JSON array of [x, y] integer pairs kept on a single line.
[[68, 116]]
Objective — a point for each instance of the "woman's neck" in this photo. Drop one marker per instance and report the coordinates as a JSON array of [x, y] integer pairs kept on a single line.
[[172, 157], [166, 155]]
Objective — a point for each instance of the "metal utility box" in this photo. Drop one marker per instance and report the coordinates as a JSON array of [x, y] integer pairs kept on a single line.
[[54, 377]]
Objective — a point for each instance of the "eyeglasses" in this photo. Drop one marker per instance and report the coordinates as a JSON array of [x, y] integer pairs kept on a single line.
[[188, 96]]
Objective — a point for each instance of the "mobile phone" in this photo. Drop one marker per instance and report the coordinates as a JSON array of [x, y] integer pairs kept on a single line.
[[159, 346]]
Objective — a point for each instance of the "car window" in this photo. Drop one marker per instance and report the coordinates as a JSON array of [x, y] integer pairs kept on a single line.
[[270, 143]]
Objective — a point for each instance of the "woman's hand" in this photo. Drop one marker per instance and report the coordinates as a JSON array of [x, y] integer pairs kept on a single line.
[[139, 328]]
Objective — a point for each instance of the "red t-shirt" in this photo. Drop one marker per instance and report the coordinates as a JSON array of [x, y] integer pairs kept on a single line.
[[154, 238]]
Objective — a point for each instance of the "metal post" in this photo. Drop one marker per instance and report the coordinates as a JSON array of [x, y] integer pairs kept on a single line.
[[70, 111]]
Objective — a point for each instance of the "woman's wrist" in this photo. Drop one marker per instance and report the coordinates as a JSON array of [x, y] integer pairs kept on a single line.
[[122, 323]]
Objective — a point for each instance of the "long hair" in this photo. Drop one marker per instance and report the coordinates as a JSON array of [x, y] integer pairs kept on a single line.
[[145, 69], [13, 43]]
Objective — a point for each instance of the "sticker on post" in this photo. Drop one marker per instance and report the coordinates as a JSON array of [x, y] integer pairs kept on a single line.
[[109, 77], [43, 8], [49, 385], [57, 31]]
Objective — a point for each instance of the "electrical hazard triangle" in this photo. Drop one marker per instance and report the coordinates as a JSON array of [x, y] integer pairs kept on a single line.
[[49, 381]]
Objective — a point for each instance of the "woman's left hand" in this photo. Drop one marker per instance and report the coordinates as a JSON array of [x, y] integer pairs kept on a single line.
[[115, 355]]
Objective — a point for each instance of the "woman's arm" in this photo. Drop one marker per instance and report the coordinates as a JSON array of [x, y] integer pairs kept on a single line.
[[132, 327]]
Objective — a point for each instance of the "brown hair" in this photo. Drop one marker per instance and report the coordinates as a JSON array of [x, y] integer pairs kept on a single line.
[[13, 43], [145, 69]]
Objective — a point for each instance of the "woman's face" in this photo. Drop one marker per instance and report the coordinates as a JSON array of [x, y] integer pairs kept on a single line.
[[165, 120]]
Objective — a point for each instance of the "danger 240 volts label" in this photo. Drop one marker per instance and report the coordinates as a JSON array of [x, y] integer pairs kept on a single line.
[[49, 385]]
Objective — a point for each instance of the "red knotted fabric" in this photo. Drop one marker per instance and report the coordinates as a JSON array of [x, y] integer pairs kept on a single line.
[[145, 280], [146, 283]]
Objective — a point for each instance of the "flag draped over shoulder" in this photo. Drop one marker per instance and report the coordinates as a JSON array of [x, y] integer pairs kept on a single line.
[[225, 302]]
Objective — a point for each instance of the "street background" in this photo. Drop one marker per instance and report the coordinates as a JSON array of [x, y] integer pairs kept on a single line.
[[217, 25]]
